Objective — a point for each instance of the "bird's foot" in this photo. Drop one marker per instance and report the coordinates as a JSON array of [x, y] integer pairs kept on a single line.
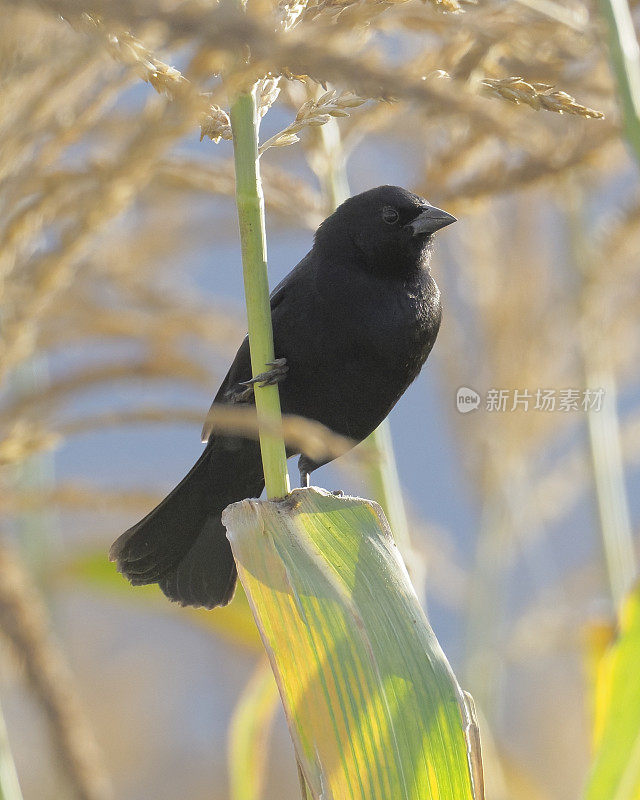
[[271, 377], [306, 467], [244, 390]]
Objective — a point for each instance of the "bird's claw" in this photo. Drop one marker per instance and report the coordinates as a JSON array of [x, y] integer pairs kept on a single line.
[[243, 390], [271, 377]]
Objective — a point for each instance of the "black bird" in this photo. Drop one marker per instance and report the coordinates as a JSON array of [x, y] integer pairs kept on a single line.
[[353, 323]]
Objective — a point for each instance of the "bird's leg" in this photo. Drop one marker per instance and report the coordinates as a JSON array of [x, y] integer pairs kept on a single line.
[[305, 465], [244, 390]]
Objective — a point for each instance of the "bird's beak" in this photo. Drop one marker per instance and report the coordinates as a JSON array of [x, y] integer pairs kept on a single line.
[[430, 220]]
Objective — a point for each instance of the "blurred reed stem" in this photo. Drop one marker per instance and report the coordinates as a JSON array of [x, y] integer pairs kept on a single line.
[[25, 624], [385, 482], [608, 474], [603, 425], [556, 11], [625, 59], [249, 733], [382, 470], [250, 202], [9, 784], [485, 619], [35, 474]]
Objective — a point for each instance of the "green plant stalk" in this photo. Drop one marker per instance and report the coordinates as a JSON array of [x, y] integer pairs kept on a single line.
[[9, 785], [250, 202], [383, 473], [625, 59]]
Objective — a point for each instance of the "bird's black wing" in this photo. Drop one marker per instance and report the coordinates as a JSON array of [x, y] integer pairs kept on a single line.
[[282, 299]]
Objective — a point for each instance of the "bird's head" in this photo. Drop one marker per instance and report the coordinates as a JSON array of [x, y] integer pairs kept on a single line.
[[387, 230]]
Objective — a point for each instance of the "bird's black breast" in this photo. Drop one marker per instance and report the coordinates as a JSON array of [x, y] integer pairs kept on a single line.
[[354, 342]]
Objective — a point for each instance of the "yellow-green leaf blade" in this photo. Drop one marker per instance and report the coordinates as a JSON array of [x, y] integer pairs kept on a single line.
[[615, 774], [372, 704], [249, 733]]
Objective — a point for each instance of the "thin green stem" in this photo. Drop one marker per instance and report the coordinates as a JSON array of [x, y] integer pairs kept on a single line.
[[385, 482], [625, 59], [383, 472], [250, 201]]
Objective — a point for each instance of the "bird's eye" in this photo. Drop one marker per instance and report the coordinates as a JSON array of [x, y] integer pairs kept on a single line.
[[390, 215]]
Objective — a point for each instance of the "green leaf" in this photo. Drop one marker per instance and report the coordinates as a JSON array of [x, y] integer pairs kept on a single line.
[[615, 774], [373, 707], [233, 622]]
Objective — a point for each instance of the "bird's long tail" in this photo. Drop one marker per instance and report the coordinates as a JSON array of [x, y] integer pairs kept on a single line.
[[182, 545]]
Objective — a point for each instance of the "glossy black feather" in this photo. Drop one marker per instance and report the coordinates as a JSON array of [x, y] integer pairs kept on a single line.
[[356, 320]]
